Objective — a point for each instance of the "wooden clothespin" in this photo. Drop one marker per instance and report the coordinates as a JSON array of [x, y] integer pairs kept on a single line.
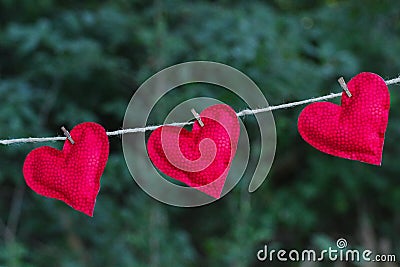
[[344, 86], [68, 135], [197, 116]]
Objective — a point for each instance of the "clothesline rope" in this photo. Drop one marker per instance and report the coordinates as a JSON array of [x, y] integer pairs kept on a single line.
[[180, 124]]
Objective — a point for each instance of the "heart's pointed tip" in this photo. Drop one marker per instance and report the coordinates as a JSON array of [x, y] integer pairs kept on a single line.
[[211, 193], [89, 214], [212, 190], [88, 211], [375, 163]]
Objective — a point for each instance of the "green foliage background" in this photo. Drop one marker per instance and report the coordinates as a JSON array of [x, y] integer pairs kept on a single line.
[[65, 62]]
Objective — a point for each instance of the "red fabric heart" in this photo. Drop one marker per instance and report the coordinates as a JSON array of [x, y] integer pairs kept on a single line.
[[200, 158], [356, 129], [73, 174]]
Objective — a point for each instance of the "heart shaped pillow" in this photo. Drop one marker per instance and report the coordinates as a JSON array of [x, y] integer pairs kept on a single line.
[[73, 174], [356, 129], [200, 158]]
